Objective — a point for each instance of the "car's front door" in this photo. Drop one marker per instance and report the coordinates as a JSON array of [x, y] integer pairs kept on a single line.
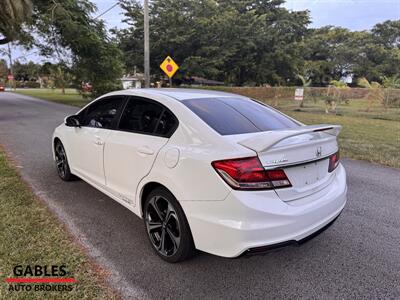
[[144, 128], [88, 141]]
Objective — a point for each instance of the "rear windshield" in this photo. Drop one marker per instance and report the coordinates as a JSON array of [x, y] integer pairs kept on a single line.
[[238, 115]]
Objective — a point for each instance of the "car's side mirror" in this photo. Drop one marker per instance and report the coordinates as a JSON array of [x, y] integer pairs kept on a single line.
[[72, 121]]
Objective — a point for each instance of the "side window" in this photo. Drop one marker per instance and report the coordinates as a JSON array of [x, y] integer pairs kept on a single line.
[[102, 113], [143, 116], [167, 124]]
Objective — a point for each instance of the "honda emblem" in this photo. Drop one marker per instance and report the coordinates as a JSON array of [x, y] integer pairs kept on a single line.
[[319, 151]]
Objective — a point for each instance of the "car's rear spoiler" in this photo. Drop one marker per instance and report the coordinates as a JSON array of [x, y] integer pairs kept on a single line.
[[265, 140]]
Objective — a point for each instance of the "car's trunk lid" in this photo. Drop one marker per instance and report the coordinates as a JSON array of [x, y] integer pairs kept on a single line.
[[303, 153]]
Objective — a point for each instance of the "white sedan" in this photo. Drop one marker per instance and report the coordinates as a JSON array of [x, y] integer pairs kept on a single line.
[[206, 170]]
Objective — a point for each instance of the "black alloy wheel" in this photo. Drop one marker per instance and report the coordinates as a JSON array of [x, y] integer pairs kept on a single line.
[[62, 163], [167, 227]]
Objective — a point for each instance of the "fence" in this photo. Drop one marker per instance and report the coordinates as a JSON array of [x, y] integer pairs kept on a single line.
[[283, 96], [353, 102]]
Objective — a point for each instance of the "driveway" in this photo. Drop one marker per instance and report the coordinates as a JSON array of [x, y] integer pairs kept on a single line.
[[357, 257]]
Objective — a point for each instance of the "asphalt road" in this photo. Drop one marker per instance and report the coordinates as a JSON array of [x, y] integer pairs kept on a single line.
[[358, 257]]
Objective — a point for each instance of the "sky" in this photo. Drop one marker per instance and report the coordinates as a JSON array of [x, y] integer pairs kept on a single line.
[[351, 14]]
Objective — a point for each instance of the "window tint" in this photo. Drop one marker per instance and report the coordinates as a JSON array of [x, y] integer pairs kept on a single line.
[[221, 117], [167, 124], [102, 113], [141, 115], [263, 117], [238, 115]]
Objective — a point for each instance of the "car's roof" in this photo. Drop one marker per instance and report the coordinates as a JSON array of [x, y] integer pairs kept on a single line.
[[178, 94]]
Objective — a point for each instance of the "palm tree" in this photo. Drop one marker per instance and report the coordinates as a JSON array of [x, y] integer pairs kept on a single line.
[[13, 13], [375, 91], [389, 83]]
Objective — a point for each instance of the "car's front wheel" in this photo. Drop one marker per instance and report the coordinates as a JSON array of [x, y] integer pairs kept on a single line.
[[62, 165], [167, 227]]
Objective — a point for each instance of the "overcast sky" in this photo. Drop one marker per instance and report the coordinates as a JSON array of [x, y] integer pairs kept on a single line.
[[352, 14]]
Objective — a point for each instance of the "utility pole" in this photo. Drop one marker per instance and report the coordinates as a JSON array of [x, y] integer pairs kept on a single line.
[[146, 45], [11, 67]]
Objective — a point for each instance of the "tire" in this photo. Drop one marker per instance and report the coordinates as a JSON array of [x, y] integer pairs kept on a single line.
[[61, 161], [167, 227]]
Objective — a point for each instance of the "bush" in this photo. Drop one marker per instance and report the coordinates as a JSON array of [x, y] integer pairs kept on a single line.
[[27, 84], [32, 84]]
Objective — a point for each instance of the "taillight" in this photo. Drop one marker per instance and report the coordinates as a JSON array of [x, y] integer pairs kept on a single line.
[[249, 174], [333, 161]]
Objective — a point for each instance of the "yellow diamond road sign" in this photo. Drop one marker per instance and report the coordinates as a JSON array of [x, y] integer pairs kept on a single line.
[[169, 67]]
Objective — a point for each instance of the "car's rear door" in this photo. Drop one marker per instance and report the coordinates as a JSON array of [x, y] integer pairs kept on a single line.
[[86, 143], [144, 128]]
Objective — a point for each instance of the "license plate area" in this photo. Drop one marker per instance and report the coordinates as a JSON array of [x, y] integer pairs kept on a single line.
[[306, 179], [307, 175]]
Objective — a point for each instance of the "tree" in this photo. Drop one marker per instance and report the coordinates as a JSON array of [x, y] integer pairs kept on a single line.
[[333, 52], [66, 30], [390, 83], [326, 54], [304, 83], [26, 72], [61, 76], [387, 34], [13, 14], [237, 41], [375, 91], [3, 70]]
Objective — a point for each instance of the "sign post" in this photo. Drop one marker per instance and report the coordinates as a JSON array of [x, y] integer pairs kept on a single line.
[[169, 67]]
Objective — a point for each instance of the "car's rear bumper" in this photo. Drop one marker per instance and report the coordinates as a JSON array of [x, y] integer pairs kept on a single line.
[[250, 220], [265, 249]]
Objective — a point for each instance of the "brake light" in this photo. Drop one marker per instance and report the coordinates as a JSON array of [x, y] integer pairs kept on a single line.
[[249, 174], [333, 162]]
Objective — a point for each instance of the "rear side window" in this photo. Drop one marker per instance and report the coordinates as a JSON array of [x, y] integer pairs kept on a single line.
[[149, 117], [263, 117], [238, 115], [167, 124]]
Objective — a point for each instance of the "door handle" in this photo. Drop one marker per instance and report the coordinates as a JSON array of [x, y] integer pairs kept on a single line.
[[145, 150], [98, 141]]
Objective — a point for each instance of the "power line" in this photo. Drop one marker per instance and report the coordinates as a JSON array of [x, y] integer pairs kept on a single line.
[[106, 11]]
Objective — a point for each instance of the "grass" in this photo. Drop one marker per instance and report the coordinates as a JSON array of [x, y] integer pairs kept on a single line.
[[30, 235], [354, 108], [373, 136], [71, 96], [362, 138]]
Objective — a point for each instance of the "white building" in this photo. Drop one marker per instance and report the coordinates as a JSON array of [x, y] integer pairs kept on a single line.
[[134, 81]]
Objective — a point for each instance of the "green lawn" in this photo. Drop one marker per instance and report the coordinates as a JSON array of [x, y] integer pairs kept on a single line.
[[30, 235], [373, 136], [362, 138], [354, 108], [71, 96]]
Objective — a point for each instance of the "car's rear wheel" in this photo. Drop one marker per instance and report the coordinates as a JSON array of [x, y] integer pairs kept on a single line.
[[167, 227], [62, 165]]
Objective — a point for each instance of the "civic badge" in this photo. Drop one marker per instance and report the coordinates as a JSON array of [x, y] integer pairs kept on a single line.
[[318, 153]]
